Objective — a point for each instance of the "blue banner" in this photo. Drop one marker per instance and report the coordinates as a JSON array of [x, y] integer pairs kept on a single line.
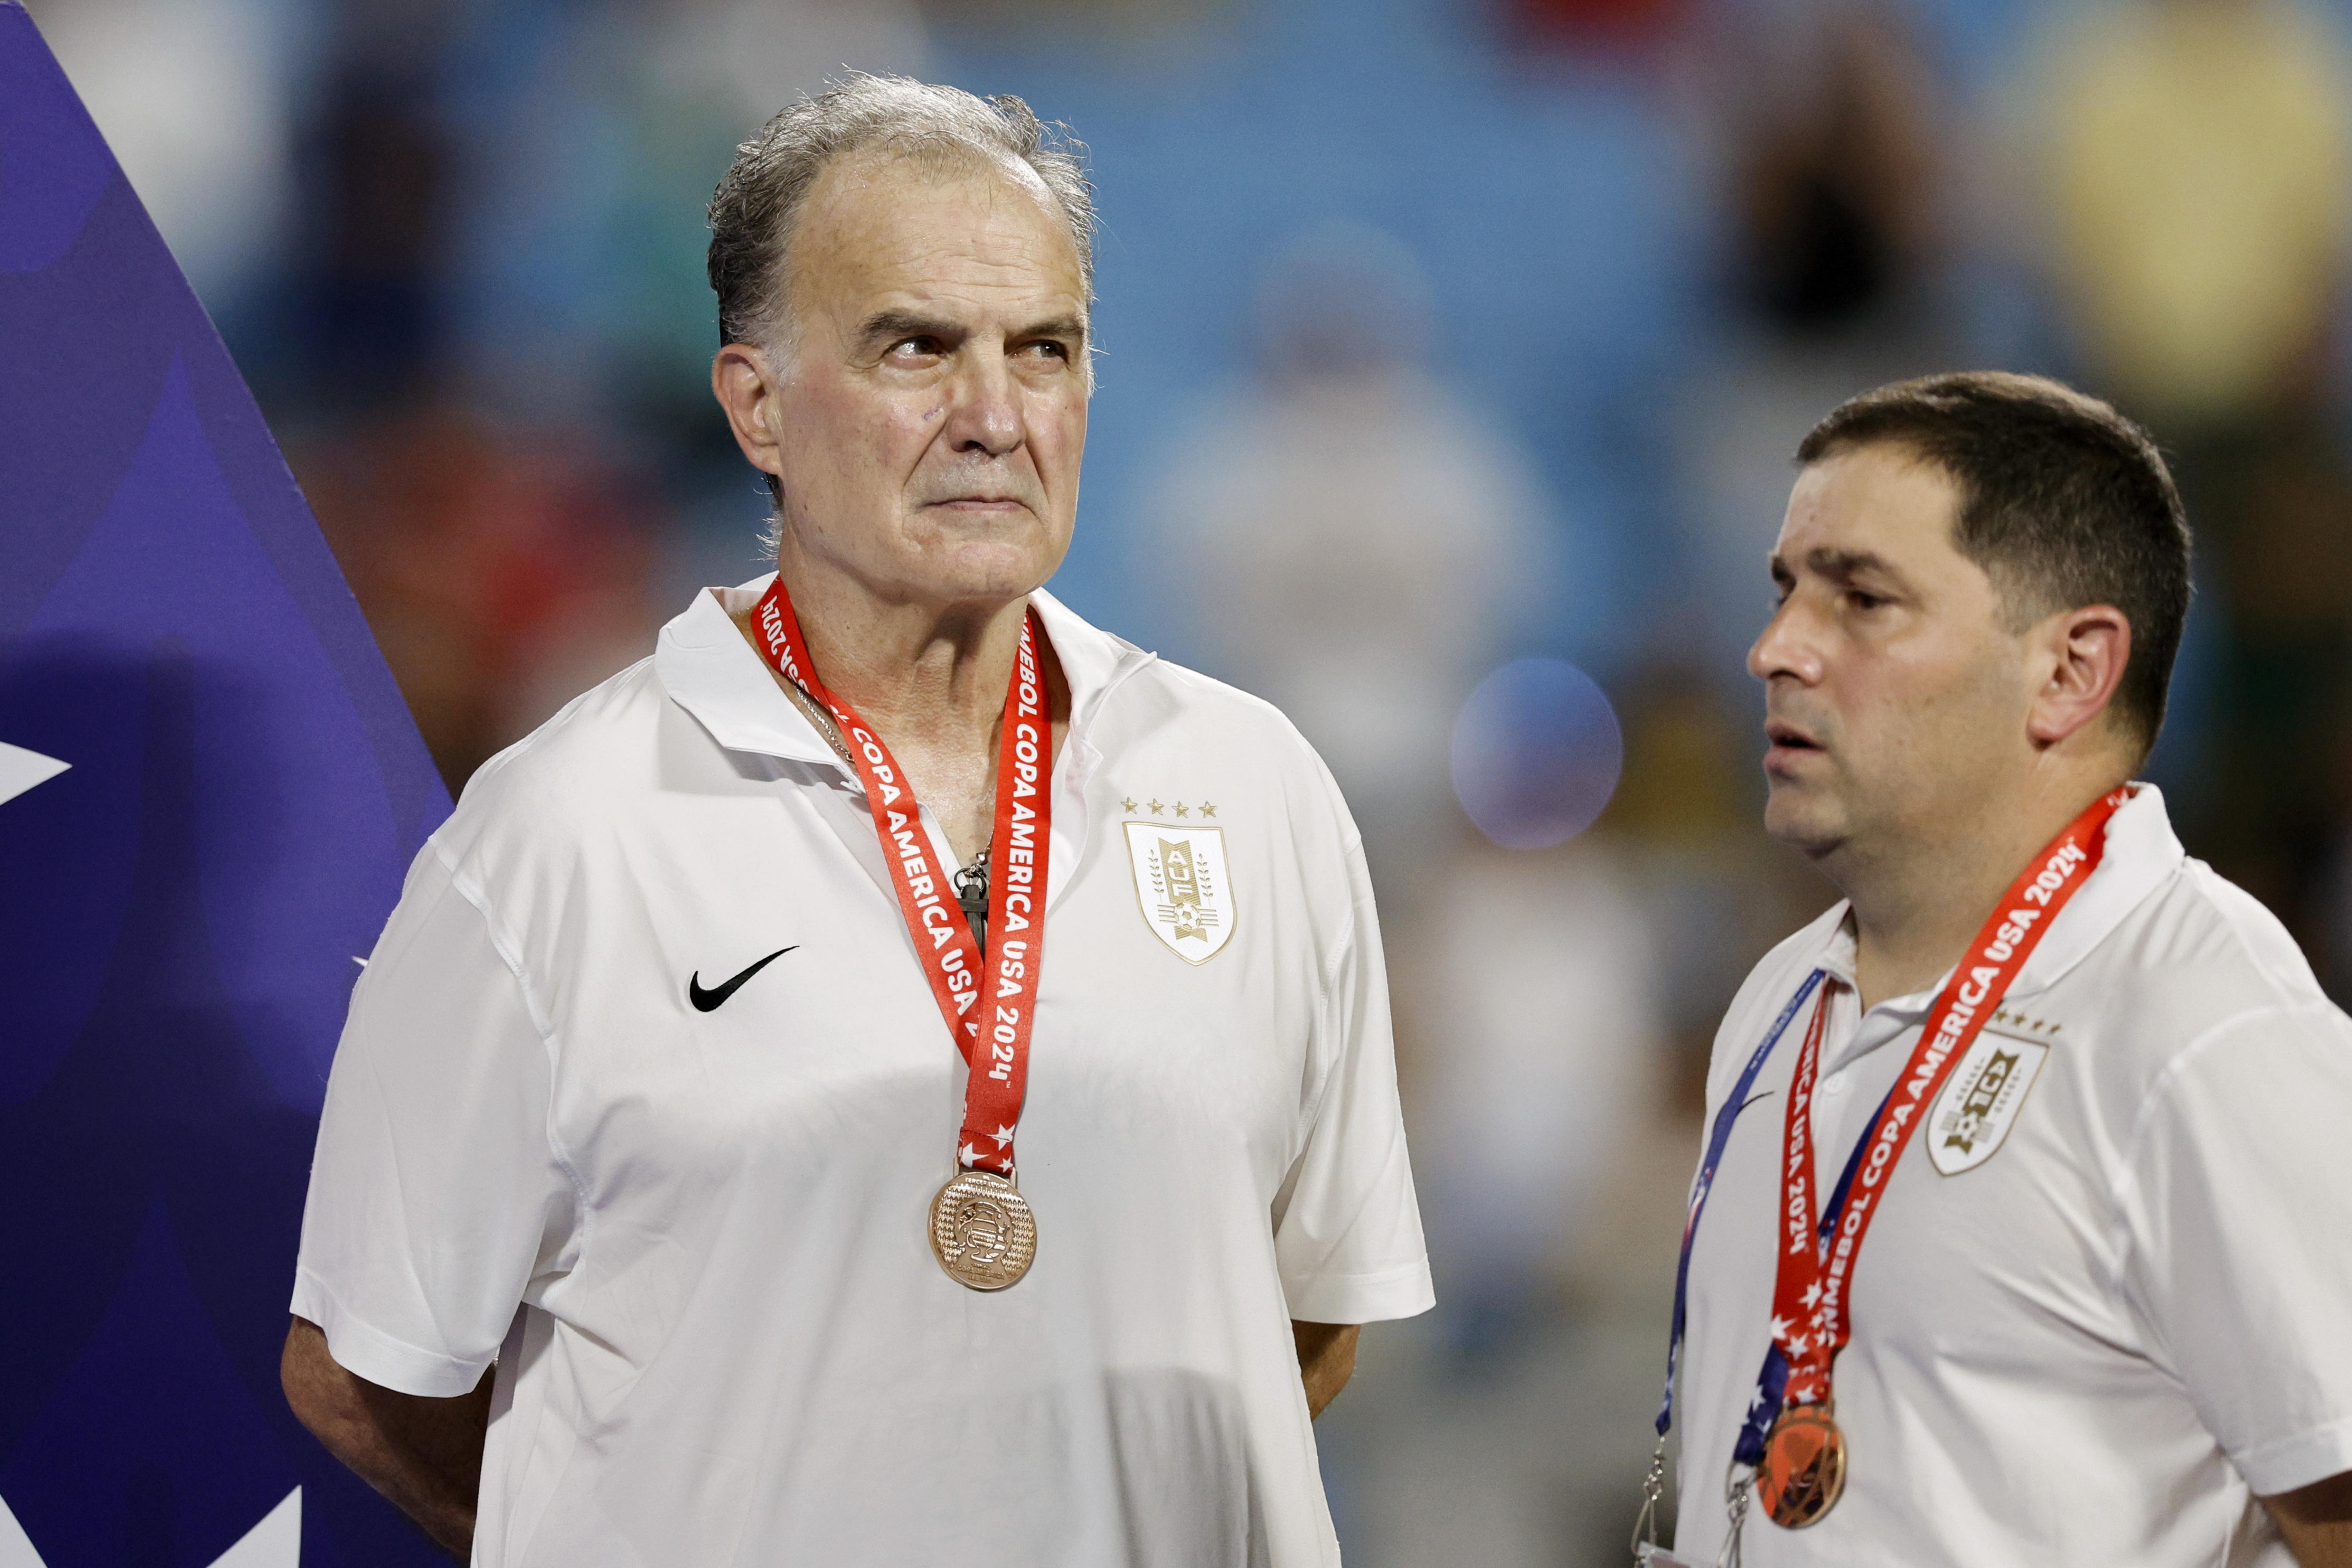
[[209, 790]]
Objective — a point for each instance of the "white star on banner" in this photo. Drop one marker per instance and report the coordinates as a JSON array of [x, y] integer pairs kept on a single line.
[[275, 1543], [21, 769]]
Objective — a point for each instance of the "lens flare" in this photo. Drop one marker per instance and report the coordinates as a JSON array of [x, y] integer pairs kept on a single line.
[[1536, 751]]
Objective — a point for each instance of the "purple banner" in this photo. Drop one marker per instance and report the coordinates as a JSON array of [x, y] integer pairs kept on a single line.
[[209, 790]]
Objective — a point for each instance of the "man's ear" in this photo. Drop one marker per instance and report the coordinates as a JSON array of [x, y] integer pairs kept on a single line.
[[746, 386], [2084, 653]]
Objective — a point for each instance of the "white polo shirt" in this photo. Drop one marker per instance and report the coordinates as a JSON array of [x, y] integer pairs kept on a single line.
[[695, 1240], [2107, 1300]]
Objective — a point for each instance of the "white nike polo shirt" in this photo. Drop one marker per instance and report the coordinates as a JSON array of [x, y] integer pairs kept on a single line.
[[2107, 1300], [693, 1236]]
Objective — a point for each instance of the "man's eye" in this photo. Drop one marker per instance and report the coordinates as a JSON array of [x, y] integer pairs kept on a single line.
[[1049, 349], [920, 347], [1863, 601]]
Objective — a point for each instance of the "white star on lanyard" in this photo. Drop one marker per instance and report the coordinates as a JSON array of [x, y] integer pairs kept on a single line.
[[1003, 1136], [1813, 1294], [1780, 1327], [971, 1156], [1797, 1346]]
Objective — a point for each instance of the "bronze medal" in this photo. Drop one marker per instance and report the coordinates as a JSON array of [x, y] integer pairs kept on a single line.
[[1803, 1469], [983, 1231]]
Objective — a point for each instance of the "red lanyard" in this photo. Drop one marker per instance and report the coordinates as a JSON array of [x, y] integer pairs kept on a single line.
[[997, 1080], [1811, 1320]]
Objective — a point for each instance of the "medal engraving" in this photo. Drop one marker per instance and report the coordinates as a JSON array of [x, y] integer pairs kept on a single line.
[[983, 1231], [1803, 1471]]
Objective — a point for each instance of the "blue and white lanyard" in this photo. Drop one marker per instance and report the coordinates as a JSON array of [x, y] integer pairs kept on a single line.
[[1773, 1381]]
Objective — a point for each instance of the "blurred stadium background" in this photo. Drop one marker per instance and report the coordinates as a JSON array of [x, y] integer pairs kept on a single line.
[[1453, 351]]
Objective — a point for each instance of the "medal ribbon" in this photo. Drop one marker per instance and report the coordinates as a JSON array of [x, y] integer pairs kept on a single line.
[[992, 1034], [1811, 1298]]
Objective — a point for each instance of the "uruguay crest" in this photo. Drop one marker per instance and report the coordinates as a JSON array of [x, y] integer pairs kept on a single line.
[[1180, 884], [1981, 1101]]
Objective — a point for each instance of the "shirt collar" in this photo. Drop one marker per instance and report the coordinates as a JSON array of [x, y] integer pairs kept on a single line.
[[711, 671], [2141, 854], [1093, 660]]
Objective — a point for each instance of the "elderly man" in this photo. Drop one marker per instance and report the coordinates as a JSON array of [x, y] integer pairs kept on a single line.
[[673, 1136], [2020, 1235]]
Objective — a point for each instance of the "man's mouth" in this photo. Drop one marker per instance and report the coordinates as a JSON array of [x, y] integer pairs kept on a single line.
[[1785, 738]]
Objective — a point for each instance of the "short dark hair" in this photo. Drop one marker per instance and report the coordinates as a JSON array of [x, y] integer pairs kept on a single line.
[[2062, 501]]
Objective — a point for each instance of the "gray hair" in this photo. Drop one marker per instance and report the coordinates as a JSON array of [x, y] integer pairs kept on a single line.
[[758, 204]]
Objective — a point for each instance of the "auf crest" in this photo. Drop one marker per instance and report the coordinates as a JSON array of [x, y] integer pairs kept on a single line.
[[1181, 886]]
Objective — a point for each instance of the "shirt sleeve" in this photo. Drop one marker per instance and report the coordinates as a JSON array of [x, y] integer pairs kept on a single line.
[[2237, 1207], [1347, 1234], [436, 1196]]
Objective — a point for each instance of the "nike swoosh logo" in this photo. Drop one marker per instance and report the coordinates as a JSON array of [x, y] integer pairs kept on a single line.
[[708, 1001]]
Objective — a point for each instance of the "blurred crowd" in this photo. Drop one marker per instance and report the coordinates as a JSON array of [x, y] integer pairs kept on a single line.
[[1455, 353]]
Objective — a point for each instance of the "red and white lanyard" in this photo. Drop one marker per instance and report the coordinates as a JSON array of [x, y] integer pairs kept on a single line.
[[990, 1031], [1810, 1297]]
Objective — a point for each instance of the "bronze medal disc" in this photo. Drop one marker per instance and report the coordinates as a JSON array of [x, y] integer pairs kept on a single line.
[[1803, 1469], [983, 1231]]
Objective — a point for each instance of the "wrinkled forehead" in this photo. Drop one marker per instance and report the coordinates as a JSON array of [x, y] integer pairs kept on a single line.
[[1882, 499], [953, 223]]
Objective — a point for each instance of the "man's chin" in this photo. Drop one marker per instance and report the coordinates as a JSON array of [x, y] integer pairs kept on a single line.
[[1803, 819], [970, 570]]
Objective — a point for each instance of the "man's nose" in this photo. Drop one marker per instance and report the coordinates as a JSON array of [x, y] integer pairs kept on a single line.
[[1787, 645], [986, 415]]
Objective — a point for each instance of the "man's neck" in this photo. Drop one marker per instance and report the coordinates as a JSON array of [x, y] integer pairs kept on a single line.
[[1917, 904], [931, 681], [924, 675]]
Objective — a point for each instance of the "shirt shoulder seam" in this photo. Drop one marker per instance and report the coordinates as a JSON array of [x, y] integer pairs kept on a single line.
[[473, 892], [2125, 1179], [1325, 1001]]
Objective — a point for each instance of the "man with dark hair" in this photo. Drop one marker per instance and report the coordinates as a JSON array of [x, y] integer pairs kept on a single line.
[[761, 1280], [2063, 503], [2082, 1099]]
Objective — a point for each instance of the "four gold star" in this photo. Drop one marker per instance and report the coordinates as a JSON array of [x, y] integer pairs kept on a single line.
[[1128, 806]]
